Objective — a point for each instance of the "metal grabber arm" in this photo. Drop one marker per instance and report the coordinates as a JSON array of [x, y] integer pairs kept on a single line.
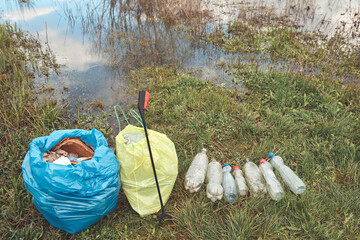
[[142, 105]]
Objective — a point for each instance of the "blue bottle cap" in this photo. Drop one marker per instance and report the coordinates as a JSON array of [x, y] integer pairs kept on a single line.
[[226, 165], [271, 155]]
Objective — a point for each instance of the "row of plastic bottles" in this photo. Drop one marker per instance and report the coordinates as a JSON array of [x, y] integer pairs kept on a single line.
[[260, 179]]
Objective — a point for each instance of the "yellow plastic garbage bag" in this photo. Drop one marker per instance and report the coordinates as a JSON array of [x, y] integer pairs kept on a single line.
[[136, 173]]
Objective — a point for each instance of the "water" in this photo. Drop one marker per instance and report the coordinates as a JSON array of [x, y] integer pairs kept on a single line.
[[325, 16], [99, 42]]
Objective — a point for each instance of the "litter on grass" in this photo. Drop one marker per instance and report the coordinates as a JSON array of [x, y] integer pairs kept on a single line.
[[72, 197]]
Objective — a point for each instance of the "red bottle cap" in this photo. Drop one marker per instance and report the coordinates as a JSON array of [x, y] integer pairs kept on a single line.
[[236, 168], [262, 161]]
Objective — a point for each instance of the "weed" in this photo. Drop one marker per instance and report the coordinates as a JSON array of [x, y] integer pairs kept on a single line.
[[282, 47], [97, 104]]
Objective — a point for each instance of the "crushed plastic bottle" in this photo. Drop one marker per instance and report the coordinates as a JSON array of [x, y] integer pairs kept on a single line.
[[214, 190], [273, 186], [254, 178], [240, 181], [229, 185], [295, 184], [196, 173]]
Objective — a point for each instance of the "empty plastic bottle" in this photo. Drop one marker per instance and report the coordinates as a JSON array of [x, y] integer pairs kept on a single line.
[[240, 181], [254, 178], [229, 185], [196, 173], [273, 186], [295, 184], [214, 190]]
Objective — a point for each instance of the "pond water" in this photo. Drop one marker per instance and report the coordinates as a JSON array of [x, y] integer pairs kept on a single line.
[[99, 42], [325, 16]]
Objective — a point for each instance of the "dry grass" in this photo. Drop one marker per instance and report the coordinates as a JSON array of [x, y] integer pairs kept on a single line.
[[97, 104], [172, 11]]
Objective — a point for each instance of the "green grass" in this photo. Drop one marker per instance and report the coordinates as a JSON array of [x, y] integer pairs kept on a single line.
[[312, 128], [288, 49], [311, 120], [23, 118]]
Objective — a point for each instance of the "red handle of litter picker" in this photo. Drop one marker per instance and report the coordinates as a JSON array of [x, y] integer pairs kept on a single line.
[[143, 100]]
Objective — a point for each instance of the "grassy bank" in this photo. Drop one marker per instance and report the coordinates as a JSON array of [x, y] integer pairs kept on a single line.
[[24, 115], [309, 117], [312, 123]]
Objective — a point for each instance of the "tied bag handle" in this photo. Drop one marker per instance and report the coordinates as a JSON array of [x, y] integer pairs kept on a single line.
[[136, 116], [117, 116], [132, 112]]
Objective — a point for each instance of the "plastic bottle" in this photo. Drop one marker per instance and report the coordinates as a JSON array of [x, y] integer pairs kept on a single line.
[[295, 184], [240, 181], [196, 173], [273, 186], [254, 178], [214, 190], [229, 185]]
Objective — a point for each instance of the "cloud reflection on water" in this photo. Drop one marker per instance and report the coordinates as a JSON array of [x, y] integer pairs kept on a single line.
[[72, 52], [27, 14]]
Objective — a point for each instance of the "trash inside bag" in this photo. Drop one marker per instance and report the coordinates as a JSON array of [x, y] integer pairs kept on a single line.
[[72, 197], [137, 176], [69, 151]]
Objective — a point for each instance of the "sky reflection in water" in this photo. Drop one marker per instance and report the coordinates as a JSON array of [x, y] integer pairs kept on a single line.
[[99, 43], [98, 49]]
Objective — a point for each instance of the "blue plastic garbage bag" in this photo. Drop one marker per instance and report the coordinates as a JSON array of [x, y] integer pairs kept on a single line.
[[72, 197]]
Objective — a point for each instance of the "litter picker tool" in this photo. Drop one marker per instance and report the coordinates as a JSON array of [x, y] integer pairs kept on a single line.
[[142, 105]]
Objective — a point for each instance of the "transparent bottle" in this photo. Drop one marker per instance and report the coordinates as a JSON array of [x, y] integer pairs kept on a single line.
[[195, 176], [240, 181], [229, 185], [254, 178], [295, 184], [214, 190], [273, 186]]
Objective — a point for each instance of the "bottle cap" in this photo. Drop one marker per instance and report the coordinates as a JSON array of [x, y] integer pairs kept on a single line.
[[271, 155], [226, 165], [204, 150], [262, 161], [236, 168]]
